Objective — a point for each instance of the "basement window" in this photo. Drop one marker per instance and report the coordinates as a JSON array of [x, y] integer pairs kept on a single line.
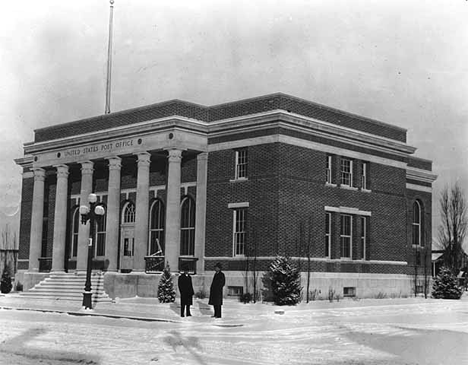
[[235, 291], [349, 291]]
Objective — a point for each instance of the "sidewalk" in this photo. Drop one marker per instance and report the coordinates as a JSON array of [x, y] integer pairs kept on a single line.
[[234, 313], [137, 308]]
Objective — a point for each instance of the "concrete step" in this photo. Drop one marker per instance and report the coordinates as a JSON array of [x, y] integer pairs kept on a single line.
[[58, 291], [65, 286]]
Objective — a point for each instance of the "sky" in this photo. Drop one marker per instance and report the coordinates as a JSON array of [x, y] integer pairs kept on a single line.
[[400, 62]]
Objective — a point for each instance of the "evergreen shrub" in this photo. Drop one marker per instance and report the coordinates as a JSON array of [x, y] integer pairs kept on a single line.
[[166, 292], [285, 281], [446, 285]]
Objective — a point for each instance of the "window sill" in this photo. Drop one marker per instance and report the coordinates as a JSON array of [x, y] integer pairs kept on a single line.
[[330, 185], [347, 187], [366, 191], [239, 179]]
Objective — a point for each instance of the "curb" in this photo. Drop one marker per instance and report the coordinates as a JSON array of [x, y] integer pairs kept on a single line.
[[82, 314]]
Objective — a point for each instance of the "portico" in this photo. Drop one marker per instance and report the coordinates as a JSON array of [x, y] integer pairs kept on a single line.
[[136, 170]]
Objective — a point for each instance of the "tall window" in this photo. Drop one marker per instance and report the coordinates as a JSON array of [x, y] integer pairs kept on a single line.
[[346, 172], [74, 232], [239, 234], [187, 227], [241, 163], [328, 170], [365, 167], [156, 233], [345, 235], [100, 238], [363, 237], [416, 223], [328, 234], [129, 213]]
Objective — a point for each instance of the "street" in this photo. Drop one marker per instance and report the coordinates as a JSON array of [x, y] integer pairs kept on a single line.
[[365, 332]]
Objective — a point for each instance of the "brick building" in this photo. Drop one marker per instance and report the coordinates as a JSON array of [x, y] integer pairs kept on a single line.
[[181, 182]]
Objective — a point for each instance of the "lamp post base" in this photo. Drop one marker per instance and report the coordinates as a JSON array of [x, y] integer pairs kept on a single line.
[[87, 300]]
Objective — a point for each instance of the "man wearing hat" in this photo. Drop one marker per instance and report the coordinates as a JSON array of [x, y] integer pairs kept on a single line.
[[186, 292], [216, 291]]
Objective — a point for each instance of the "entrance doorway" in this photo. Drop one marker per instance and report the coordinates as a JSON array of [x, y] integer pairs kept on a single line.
[[127, 237], [127, 246]]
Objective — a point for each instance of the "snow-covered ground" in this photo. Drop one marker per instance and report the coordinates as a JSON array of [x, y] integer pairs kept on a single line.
[[404, 331]]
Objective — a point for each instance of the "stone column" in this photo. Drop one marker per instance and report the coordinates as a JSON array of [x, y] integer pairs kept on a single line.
[[83, 232], [113, 210], [172, 240], [142, 212], [200, 210], [37, 217], [60, 220]]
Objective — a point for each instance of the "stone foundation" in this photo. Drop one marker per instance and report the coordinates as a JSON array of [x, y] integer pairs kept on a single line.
[[362, 285]]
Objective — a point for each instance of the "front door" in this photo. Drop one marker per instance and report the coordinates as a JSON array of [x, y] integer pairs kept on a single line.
[[127, 247]]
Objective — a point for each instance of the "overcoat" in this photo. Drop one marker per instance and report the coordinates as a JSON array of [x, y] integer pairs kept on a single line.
[[185, 289], [216, 289]]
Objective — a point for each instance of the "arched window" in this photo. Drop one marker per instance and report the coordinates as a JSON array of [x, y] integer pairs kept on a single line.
[[74, 232], [156, 233], [100, 237], [416, 224], [187, 227], [129, 213]]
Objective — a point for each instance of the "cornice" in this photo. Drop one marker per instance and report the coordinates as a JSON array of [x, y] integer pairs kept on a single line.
[[420, 175], [157, 125], [26, 161], [225, 127]]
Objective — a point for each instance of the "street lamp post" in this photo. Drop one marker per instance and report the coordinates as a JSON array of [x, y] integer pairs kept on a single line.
[[91, 214]]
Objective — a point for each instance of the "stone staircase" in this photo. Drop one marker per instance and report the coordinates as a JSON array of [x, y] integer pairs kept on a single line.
[[69, 286]]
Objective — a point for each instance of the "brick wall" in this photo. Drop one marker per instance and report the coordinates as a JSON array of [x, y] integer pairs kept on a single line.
[[260, 190], [419, 163], [287, 194], [222, 111], [303, 196], [425, 200]]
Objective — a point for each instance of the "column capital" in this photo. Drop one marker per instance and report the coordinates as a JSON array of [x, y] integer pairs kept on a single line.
[[87, 167], [202, 156], [115, 162], [62, 171], [143, 158], [174, 155], [39, 174]]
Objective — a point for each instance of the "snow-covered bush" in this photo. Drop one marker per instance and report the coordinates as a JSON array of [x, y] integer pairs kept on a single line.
[[285, 281], [5, 285], [166, 292], [446, 285]]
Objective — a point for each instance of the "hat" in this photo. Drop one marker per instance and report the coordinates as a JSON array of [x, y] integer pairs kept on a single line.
[[218, 265]]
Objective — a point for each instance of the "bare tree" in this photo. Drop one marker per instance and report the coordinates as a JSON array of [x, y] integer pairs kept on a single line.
[[454, 221]]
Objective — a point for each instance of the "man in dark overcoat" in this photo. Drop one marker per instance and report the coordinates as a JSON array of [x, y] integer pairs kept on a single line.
[[186, 292], [216, 291]]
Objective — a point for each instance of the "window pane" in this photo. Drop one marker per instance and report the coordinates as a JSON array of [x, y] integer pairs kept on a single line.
[[129, 213], [346, 172], [239, 231], [345, 236], [187, 236], [241, 163], [416, 213]]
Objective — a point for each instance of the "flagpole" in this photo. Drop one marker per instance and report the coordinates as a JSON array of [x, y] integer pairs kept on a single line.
[[109, 58]]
